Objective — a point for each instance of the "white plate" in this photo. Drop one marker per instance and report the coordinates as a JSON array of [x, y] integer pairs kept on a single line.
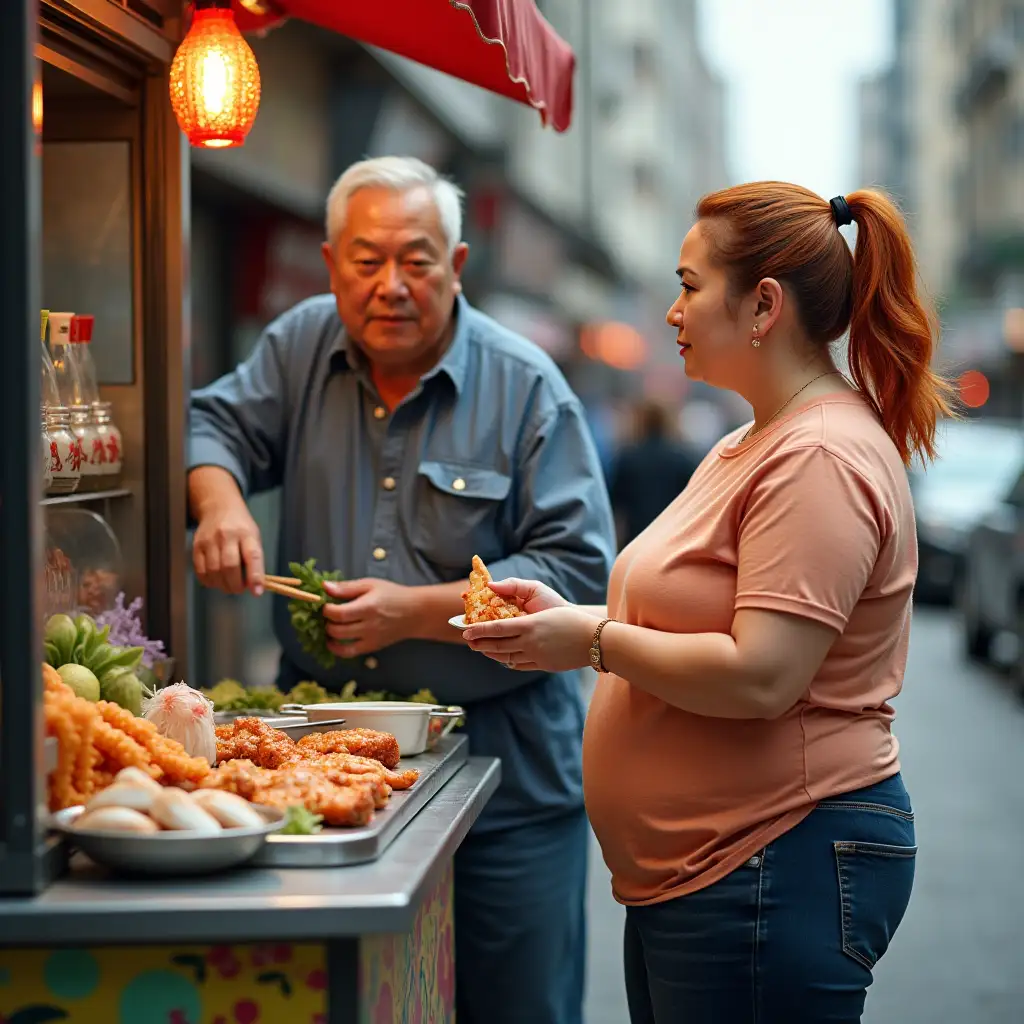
[[459, 622]]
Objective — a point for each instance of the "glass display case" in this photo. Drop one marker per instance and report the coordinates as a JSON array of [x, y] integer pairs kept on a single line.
[[95, 176]]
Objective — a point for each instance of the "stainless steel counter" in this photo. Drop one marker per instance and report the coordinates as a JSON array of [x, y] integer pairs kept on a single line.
[[261, 903]]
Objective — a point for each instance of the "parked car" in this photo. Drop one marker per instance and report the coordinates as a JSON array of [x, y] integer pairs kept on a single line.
[[992, 594], [978, 462]]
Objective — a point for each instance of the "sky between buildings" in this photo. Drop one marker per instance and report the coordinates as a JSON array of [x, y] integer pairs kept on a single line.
[[791, 68]]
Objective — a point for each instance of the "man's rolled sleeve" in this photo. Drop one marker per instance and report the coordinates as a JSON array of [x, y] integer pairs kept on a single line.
[[564, 534], [240, 421]]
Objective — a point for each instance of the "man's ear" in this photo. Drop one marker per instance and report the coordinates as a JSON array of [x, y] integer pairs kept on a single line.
[[459, 256]]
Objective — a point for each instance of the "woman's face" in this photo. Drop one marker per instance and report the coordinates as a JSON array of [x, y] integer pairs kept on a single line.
[[714, 339]]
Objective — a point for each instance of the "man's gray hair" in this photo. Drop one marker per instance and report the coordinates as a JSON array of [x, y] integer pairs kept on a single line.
[[399, 173]]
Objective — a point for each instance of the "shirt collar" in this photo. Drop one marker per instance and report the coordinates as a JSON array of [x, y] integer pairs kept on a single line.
[[453, 363]]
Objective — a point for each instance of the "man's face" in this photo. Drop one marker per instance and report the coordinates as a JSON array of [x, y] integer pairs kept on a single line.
[[393, 277]]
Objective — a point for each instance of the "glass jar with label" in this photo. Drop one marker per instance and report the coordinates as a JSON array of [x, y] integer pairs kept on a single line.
[[66, 454], [45, 446], [107, 447], [94, 455]]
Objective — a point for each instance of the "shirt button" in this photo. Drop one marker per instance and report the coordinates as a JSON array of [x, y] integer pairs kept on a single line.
[[380, 554], [389, 483], [380, 412], [459, 484], [371, 662]]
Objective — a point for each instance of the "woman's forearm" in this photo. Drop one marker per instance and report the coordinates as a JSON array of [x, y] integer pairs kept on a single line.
[[698, 672]]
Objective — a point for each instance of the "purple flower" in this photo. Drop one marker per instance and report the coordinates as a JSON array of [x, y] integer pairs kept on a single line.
[[126, 630]]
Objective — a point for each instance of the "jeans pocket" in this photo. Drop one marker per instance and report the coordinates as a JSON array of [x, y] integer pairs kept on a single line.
[[875, 880]]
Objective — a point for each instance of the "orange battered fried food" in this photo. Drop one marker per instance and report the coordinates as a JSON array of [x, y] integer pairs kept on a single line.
[[380, 746], [328, 767], [341, 805], [238, 776], [482, 603], [352, 764], [166, 754], [251, 739], [95, 741]]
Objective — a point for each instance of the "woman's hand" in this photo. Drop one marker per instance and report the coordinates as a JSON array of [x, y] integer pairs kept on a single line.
[[554, 639], [530, 595]]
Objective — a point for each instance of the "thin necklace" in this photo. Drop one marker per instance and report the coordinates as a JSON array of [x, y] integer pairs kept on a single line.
[[752, 431]]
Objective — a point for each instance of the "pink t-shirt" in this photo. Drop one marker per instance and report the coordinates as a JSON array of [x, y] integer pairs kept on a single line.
[[813, 517]]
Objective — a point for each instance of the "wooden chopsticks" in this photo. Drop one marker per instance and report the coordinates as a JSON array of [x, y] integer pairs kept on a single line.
[[285, 586]]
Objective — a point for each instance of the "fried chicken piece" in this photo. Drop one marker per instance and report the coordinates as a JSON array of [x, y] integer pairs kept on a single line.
[[238, 776], [352, 764], [333, 772], [482, 603], [380, 746], [251, 739], [341, 805]]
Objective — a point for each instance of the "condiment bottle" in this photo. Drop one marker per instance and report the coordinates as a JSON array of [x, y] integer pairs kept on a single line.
[[47, 396], [45, 444], [68, 382], [80, 354], [107, 446], [94, 456], [66, 454]]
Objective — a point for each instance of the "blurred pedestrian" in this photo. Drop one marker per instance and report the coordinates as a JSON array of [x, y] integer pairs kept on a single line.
[[649, 472], [409, 432], [740, 768]]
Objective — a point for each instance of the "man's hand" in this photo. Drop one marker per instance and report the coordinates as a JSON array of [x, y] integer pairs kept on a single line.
[[227, 540], [376, 614]]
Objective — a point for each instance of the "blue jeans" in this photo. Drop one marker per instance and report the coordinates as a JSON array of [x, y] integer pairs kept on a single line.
[[792, 936], [520, 923]]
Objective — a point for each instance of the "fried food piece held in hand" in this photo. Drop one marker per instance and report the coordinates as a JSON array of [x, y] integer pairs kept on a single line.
[[482, 603]]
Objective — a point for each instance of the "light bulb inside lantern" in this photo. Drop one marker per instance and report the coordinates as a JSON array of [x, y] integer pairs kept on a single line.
[[213, 78]]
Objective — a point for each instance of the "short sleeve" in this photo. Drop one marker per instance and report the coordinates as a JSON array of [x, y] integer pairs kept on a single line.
[[809, 537]]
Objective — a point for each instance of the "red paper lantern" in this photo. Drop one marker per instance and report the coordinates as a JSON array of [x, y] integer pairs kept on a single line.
[[215, 80]]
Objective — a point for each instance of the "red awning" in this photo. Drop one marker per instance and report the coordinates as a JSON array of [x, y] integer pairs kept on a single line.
[[505, 46]]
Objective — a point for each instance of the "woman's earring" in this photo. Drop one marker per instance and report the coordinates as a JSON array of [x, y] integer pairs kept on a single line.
[[755, 341]]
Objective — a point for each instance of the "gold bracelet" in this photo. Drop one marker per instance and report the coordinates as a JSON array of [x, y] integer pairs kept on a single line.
[[596, 661]]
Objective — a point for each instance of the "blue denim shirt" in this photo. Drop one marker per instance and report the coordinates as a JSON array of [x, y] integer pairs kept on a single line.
[[489, 455]]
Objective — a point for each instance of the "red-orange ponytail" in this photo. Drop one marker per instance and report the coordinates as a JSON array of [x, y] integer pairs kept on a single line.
[[892, 334]]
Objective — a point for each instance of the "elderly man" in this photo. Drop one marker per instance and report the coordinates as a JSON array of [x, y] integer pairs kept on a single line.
[[408, 432]]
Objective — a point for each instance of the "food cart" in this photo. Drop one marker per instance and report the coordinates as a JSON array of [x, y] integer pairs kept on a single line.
[[95, 177]]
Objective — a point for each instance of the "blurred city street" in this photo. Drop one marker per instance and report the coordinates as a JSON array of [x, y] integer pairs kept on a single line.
[[957, 956]]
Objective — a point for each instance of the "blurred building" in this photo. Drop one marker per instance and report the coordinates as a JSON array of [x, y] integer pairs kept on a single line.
[[911, 138], [943, 130], [990, 105]]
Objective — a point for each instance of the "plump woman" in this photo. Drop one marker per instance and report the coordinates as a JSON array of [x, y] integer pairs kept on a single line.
[[740, 767]]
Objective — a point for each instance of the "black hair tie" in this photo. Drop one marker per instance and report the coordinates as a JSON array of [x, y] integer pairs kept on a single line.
[[840, 211]]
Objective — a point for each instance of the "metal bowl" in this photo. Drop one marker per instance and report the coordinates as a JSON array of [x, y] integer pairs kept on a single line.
[[168, 853]]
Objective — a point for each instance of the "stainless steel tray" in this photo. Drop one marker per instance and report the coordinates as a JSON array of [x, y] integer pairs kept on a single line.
[[339, 847]]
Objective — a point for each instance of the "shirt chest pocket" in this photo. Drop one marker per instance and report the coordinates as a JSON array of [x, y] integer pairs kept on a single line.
[[459, 513]]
